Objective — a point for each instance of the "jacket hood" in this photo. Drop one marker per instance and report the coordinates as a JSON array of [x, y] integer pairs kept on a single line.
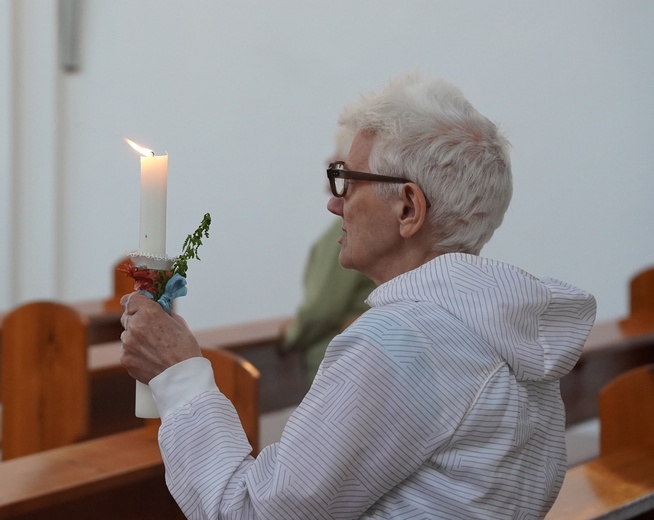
[[538, 325]]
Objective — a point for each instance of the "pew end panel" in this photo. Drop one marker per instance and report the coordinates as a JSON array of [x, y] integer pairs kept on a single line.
[[641, 293], [626, 408], [44, 378]]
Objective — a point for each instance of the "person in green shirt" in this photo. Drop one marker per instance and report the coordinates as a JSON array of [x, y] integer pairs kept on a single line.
[[333, 296]]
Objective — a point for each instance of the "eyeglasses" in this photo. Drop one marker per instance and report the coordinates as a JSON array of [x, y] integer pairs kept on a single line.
[[339, 178]]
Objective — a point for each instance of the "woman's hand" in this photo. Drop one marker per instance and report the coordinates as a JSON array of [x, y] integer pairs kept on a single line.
[[153, 340]]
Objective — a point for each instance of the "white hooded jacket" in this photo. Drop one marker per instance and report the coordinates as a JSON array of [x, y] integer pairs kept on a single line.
[[441, 401]]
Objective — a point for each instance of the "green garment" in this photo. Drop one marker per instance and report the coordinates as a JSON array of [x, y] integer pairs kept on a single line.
[[333, 297]]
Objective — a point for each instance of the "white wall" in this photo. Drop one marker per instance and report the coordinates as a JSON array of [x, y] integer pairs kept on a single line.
[[244, 97], [5, 150], [29, 171]]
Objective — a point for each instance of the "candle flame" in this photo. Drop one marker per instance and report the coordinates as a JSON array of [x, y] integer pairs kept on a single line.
[[140, 149]]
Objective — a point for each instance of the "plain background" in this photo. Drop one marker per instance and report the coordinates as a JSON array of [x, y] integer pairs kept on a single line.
[[244, 97]]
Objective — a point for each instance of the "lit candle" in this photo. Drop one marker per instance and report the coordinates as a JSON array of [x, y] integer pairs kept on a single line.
[[152, 241], [154, 178], [154, 182]]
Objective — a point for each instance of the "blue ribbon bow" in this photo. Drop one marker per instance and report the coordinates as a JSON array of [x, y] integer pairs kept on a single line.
[[175, 287]]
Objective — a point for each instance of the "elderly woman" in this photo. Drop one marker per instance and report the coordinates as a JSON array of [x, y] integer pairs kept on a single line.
[[442, 400]]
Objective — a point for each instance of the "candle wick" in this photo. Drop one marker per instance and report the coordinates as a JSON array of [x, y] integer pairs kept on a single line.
[[152, 153]]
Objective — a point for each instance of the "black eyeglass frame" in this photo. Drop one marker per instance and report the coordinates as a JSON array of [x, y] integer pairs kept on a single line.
[[337, 170]]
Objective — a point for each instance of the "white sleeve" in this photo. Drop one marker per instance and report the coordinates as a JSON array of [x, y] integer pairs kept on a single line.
[[201, 438], [180, 383], [351, 440]]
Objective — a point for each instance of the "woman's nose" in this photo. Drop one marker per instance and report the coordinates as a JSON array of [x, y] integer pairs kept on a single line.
[[335, 205]]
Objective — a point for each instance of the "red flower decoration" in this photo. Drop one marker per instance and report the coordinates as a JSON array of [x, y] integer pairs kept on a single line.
[[149, 280], [154, 280]]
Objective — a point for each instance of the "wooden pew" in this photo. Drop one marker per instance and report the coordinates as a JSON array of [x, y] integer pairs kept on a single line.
[[113, 389], [641, 293], [620, 483], [102, 315], [238, 379], [618, 486], [110, 401], [626, 407], [613, 347], [49, 396], [44, 378], [119, 476], [282, 382], [116, 476]]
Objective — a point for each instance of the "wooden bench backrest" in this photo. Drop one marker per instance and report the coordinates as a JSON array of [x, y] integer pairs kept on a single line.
[[121, 474], [44, 378], [626, 411], [641, 293]]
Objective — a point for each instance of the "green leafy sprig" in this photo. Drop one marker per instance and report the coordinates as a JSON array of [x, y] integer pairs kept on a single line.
[[191, 246], [154, 280]]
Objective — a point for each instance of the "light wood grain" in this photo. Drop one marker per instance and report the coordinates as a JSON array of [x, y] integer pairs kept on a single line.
[[44, 378], [620, 485]]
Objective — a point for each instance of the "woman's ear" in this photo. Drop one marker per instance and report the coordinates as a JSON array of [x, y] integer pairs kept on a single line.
[[412, 211]]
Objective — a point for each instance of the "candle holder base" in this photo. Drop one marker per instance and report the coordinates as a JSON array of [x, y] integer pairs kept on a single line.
[[149, 261]]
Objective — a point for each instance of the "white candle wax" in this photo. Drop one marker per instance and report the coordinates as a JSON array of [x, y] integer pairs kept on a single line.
[[154, 180], [152, 242]]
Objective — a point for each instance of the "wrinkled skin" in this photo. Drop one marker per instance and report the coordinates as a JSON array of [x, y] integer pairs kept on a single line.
[[153, 340]]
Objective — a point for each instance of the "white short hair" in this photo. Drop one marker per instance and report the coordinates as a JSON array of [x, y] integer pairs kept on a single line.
[[426, 131]]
